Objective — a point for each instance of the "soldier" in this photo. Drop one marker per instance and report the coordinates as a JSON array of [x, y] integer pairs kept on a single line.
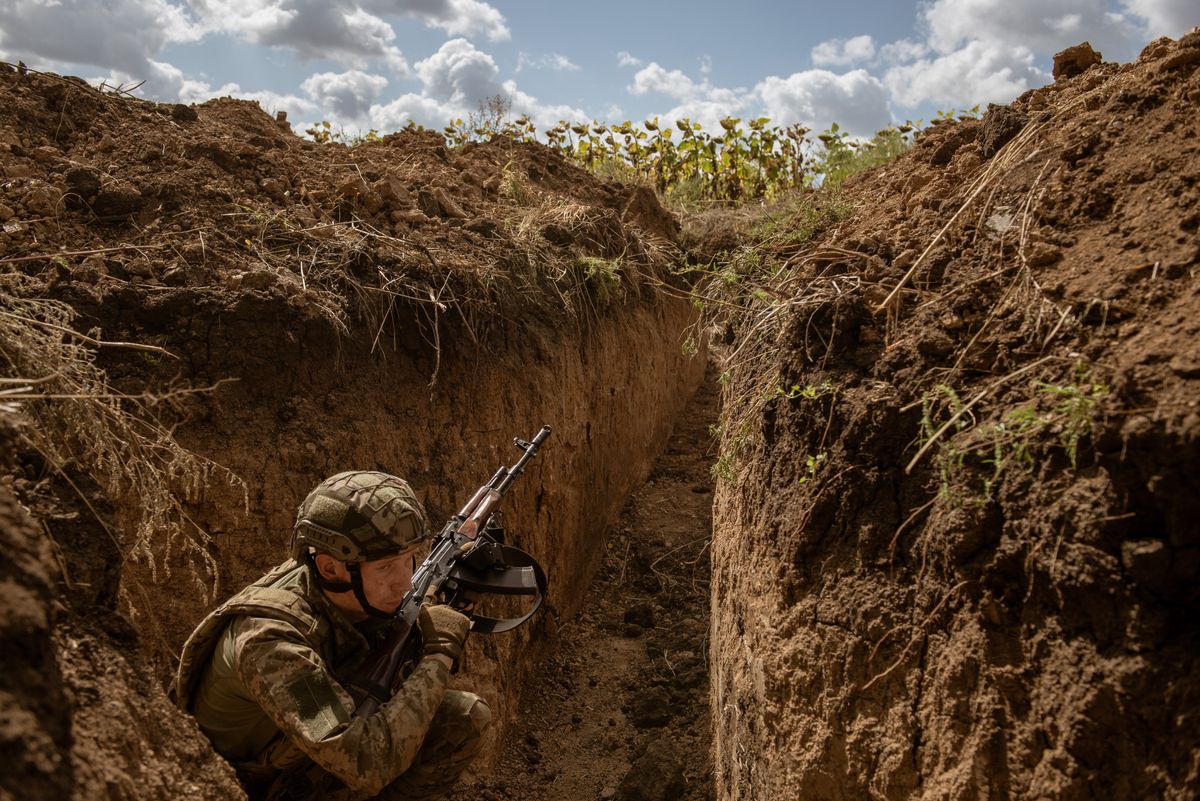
[[264, 674]]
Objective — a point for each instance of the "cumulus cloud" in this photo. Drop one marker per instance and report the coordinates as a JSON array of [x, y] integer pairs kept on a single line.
[[815, 98], [856, 100], [902, 51], [978, 72], [654, 78], [555, 62], [992, 50], [455, 81], [349, 95], [459, 73], [312, 29], [118, 35], [1043, 26], [626, 59], [455, 17], [1165, 17], [841, 52]]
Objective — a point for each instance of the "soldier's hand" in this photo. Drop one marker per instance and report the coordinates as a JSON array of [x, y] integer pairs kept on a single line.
[[443, 630]]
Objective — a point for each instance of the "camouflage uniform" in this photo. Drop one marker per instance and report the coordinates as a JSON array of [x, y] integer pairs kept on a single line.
[[260, 675]]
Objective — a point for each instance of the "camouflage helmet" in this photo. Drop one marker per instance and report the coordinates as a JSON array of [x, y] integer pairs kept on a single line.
[[359, 516]]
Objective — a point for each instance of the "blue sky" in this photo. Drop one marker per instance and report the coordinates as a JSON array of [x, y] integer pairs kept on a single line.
[[379, 63]]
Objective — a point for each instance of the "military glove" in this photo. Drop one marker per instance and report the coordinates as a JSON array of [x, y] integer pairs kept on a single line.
[[443, 630]]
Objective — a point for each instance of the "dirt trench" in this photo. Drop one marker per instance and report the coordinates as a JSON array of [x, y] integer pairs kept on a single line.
[[957, 557], [288, 312], [619, 708]]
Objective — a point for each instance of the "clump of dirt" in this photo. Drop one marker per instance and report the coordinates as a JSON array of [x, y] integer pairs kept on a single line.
[[619, 709], [285, 311], [955, 555]]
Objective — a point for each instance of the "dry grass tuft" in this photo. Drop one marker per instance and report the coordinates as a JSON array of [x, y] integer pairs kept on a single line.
[[77, 421]]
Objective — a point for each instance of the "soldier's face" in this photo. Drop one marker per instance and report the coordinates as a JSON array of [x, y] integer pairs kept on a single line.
[[385, 581]]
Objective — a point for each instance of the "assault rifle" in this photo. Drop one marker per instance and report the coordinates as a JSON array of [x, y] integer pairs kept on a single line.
[[468, 558]]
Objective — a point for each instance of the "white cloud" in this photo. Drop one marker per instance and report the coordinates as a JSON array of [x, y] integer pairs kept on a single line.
[[625, 59], [312, 29], [857, 101], [455, 81], [455, 17], [705, 65], [395, 114], [708, 113], [978, 72], [842, 52], [1165, 17], [903, 50], [459, 73], [348, 95], [657, 79], [119, 35], [1042, 26], [556, 62]]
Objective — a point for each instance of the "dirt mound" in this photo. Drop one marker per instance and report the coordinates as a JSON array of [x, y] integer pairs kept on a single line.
[[959, 558], [395, 305]]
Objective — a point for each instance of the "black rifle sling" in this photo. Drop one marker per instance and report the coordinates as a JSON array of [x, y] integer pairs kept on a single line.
[[520, 575]]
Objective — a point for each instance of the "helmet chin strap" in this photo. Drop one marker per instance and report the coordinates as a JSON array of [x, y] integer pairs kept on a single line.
[[355, 585], [360, 593]]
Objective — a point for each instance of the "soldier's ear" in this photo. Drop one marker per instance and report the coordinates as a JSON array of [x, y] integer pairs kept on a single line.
[[330, 569]]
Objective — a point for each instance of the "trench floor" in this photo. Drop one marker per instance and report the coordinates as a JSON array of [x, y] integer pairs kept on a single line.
[[619, 709]]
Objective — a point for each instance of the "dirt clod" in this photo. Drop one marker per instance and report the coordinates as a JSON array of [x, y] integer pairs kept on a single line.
[[999, 125], [1074, 61]]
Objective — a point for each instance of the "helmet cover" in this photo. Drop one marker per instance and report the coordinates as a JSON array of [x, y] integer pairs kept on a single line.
[[359, 516]]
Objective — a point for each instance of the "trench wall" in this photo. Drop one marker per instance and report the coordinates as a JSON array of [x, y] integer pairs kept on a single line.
[[95, 721]]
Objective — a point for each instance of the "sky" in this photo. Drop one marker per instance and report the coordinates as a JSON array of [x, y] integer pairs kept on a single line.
[[378, 64]]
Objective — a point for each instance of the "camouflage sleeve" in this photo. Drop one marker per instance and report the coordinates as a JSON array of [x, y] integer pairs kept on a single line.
[[296, 689]]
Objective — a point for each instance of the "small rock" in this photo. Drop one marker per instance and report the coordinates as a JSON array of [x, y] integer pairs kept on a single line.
[[483, 226], [607, 793], [393, 191], [905, 259], [642, 614], [42, 201], [112, 205], [6, 213], [1074, 61], [1041, 254], [651, 709], [352, 188], [436, 203], [657, 775], [45, 154], [935, 344], [106, 143], [182, 113], [409, 217], [17, 171], [83, 181], [272, 186], [999, 125]]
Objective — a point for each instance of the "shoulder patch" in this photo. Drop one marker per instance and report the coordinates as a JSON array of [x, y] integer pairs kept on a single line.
[[318, 706]]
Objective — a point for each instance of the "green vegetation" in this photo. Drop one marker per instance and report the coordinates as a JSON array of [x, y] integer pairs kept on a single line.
[[746, 160], [1008, 445]]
